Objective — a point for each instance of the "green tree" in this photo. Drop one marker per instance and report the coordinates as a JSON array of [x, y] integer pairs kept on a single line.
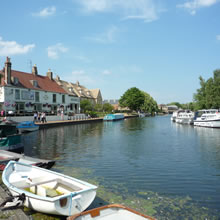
[[98, 107], [86, 105], [149, 105], [208, 96], [133, 98], [107, 107]]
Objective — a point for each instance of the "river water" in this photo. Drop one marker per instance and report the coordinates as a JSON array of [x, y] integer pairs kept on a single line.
[[163, 169]]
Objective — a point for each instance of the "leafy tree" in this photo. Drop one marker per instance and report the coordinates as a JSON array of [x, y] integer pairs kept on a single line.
[[98, 107], [149, 105], [85, 105], [133, 98], [107, 107], [208, 96]]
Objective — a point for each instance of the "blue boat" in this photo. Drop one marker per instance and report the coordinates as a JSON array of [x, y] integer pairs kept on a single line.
[[27, 126], [9, 138], [114, 117]]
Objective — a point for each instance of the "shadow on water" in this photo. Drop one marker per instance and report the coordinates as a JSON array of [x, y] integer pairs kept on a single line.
[[160, 168]]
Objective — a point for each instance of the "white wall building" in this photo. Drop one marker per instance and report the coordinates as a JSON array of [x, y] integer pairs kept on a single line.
[[22, 92]]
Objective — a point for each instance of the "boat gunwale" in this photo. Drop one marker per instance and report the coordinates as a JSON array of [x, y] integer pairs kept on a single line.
[[96, 212]]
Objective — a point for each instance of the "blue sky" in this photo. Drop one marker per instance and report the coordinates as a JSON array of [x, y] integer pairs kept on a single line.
[[158, 46]]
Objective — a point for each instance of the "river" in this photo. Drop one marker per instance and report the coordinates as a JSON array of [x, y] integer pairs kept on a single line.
[[163, 169]]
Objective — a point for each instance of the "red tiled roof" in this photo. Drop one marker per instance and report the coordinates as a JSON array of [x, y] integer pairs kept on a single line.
[[44, 83]]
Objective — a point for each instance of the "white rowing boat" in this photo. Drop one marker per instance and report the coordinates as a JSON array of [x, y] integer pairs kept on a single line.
[[47, 191], [111, 212]]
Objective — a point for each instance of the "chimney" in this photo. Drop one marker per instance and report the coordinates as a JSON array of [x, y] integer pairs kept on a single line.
[[34, 70], [8, 71], [57, 78], [50, 74]]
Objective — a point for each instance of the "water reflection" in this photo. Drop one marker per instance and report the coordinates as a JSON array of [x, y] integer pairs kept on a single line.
[[140, 154]]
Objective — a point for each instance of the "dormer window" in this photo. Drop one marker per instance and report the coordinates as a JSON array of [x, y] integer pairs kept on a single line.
[[15, 80], [34, 83]]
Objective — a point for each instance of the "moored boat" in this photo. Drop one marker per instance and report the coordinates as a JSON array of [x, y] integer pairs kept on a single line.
[[9, 137], [185, 117], [111, 212], [6, 156], [27, 126], [114, 117], [47, 191], [207, 118]]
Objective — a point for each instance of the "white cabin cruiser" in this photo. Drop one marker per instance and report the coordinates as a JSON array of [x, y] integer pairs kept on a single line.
[[185, 117], [207, 118]]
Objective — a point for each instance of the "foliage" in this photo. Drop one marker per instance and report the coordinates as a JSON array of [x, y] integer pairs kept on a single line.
[[149, 105], [98, 107], [85, 105], [107, 107], [92, 114], [133, 98], [208, 96]]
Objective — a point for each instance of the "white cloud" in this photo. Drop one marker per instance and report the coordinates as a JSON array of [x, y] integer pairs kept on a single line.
[[218, 37], [106, 72], [49, 11], [81, 76], [109, 36], [194, 5], [8, 48], [54, 51], [128, 9]]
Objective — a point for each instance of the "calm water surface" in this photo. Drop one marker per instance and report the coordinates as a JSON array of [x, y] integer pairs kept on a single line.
[[169, 169]]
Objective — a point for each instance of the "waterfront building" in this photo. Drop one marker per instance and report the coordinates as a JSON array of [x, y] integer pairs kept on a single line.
[[23, 93], [93, 95]]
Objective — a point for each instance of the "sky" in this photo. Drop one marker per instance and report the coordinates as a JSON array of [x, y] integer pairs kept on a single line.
[[159, 46]]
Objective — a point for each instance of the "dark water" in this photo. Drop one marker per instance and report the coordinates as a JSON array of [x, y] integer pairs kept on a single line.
[[164, 169]]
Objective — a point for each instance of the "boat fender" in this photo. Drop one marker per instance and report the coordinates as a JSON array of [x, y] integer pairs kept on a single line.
[[13, 202]]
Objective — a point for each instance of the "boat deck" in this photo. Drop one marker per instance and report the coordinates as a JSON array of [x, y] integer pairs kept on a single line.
[[12, 214]]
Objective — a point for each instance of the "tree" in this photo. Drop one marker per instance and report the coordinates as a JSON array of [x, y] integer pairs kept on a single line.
[[107, 107], [208, 96], [98, 107], [85, 105], [133, 98], [149, 105]]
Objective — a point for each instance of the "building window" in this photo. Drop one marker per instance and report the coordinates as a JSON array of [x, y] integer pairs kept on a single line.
[[63, 98], [17, 94], [37, 96], [54, 98]]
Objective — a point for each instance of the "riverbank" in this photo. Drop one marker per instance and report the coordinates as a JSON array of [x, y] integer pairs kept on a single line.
[[79, 120]]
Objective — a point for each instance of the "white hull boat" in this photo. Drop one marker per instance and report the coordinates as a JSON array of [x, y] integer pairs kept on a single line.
[[209, 118], [185, 117], [47, 191], [111, 212]]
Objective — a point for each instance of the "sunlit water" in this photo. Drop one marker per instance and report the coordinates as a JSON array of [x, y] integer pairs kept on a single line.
[[175, 164]]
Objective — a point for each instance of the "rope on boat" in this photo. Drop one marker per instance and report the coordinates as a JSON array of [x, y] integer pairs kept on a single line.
[[71, 196], [13, 201]]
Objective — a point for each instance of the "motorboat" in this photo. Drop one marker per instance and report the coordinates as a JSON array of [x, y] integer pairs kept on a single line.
[[185, 117], [47, 191], [114, 117], [27, 126], [174, 115], [9, 137], [207, 118], [6, 156], [111, 212]]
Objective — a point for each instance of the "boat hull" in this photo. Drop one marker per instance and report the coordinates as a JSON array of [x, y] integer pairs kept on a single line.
[[12, 143], [74, 195], [208, 124], [113, 117], [27, 126], [111, 212]]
